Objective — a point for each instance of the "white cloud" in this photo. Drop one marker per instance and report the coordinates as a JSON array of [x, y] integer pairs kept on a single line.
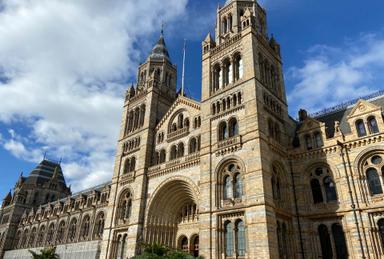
[[63, 65], [332, 75]]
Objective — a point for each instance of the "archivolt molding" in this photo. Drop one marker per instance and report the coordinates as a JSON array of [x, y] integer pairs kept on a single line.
[[364, 154], [190, 183]]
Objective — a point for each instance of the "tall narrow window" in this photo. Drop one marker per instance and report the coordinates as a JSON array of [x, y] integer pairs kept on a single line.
[[85, 228], [318, 140], [162, 156], [173, 152], [229, 239], [60, 232], [238, 186], [240, 235], [227, 188], [99, 228], [124, 247], [192, 146], [119, 247], [184, 244], [374, 183], [284, 239], [133, 164], [360, 127], [325, 241], [372, 124], [380, 224], [233, 128], [308, 142], [223, 131], [180, 150], [316, 191], [340, 243], [330, 190]]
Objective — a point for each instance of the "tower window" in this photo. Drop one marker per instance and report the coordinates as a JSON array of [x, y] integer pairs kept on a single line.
[[360, 127], [372, 124]]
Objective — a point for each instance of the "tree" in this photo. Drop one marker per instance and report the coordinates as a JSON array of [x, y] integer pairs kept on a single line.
[[46, 253]]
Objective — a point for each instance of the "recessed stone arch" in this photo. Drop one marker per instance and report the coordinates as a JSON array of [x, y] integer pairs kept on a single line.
[[172, 204]]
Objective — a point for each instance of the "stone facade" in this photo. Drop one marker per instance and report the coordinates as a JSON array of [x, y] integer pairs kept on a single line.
[[230, 176]]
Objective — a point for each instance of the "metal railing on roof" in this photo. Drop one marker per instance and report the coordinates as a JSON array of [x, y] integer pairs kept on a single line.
[[344, 105]]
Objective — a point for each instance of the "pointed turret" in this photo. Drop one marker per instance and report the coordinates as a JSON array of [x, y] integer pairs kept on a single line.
[[159, 51]]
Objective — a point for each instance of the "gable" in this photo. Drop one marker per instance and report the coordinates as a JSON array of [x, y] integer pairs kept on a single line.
[[362, 107], [181, 104]]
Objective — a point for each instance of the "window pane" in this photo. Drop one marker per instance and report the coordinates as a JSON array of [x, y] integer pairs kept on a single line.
[[340, 244], [374, 183], [227, 188], [376, 160], [240, 238], [325, 241], [373, 125], [229, 239], [330, 189], [238, 186], [360, 127], [316, 191]]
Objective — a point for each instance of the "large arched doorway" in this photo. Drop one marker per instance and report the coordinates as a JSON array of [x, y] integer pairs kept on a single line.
[[172, 212]]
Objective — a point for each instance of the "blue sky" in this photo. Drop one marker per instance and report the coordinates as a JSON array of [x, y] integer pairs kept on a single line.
[[64, 66]]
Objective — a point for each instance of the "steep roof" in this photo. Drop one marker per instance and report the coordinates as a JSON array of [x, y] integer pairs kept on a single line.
[[44, 172], [160, 51], [341, 114]]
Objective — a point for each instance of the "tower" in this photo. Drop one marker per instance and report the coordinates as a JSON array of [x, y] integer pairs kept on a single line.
[[244, 143], [144, 106]]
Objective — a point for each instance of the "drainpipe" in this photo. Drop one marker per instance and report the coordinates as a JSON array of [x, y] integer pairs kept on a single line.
[[297, 209], [353, 206]]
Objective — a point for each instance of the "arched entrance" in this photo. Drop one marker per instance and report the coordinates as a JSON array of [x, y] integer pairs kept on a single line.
[[172, 213]]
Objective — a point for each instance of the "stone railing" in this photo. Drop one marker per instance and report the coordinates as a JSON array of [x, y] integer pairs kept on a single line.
[[175, 164], [227, 43], [177, 134], [229, 145]]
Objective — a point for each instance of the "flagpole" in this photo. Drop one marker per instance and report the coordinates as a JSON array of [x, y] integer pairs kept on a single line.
[[183, 73]]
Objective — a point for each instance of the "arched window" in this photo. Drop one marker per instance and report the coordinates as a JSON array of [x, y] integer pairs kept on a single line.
[[40, 238], [25, 238], [284, 239], [217, 77], [173, 152], [99, 228], [142, 115], [227, 72], [192, 146], [318, 140], [330, 189], [372, 124], [180, 120], [380, 224], [275, 181], [180, 149], [195, 246], [340, 243], [51, 232], [233, 128], [124, 247], [132, 166], [119, 247], [308, 142], [184, 244], [240, 238], [360, 127], [373, 180], [31, 240], [125, 206], [228, 239], [85, 228], [238, 67], [72, 230], [316, 191], [162, 156], [227, 187], [186, 123], [238, 186], [126, 166], [325, 241], [223, 131], [136, 118], [60, 232]]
